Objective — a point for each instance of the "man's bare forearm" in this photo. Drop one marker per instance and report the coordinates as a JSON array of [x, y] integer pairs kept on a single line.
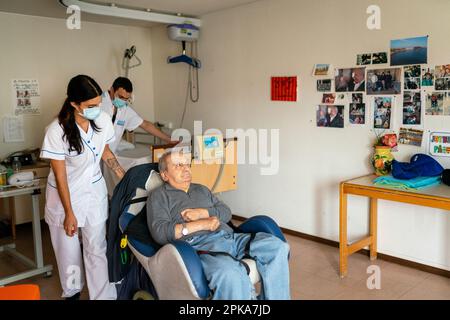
[[153, 130]]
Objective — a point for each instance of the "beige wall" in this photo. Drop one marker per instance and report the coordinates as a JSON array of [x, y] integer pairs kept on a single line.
[[44, 49], [242, 47]]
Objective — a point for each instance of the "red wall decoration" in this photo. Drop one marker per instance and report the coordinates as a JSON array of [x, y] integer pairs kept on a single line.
[[284, 88]]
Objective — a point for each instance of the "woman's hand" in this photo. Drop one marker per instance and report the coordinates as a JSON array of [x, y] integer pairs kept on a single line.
[[70, 224]]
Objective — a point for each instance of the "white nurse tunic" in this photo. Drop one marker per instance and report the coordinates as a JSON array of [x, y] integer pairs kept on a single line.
[[126, 119], [87, 187]]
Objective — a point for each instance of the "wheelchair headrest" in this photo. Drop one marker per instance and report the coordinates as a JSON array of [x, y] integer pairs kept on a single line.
[[139, 199]]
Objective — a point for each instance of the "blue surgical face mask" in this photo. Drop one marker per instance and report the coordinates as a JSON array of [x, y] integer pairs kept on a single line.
[[119, 103], [91, 113]]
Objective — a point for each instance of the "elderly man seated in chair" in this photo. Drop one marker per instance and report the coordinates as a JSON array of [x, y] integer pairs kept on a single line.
[[181, 210]]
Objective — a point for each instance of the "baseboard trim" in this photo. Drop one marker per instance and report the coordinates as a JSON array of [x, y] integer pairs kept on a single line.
[[381, 256]]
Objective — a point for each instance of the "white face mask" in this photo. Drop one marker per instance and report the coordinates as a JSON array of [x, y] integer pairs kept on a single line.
[[119, 103], [91, 113]]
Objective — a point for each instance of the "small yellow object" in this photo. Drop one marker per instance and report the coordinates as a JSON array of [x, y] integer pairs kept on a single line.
[[3, 180], [124, 242]]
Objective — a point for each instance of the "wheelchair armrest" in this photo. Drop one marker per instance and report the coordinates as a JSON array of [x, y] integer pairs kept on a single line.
[[261, 224], [194, 267]]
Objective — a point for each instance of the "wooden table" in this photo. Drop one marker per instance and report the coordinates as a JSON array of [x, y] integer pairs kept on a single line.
[[434, 197]]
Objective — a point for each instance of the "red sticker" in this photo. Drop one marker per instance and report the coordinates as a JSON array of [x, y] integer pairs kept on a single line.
[[284, 88]]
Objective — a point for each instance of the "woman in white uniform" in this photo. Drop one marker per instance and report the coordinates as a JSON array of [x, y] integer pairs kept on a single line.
[[76, 194]]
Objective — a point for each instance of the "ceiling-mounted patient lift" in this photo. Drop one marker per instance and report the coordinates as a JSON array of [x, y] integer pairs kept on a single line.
[[187, 33], [184, 33]]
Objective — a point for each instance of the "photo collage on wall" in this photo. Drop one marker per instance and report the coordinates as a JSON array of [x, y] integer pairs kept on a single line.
[[422, 89], [442, 75]]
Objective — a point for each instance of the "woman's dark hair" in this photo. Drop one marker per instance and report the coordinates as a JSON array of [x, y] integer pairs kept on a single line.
[[80, 88], [122, 82]]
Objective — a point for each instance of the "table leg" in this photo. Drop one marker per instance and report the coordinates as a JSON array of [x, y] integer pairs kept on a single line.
[[37, 232], [343, 254], [373, 227], [12, 212]]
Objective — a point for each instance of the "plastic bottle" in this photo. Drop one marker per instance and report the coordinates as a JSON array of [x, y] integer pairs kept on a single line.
[[16, 165]]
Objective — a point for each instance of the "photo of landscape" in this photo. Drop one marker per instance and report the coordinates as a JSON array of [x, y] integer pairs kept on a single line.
[[409, 51]]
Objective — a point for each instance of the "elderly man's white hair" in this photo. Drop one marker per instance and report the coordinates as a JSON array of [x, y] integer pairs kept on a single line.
[[162, 163]]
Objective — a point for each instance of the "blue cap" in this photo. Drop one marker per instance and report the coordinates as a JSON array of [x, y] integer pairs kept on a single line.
[[420, 165]]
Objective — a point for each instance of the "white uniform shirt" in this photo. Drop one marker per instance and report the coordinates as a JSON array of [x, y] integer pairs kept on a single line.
[[126, 119], [87, 187]]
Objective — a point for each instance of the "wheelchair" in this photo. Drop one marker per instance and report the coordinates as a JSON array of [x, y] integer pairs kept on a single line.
[[175, 269]]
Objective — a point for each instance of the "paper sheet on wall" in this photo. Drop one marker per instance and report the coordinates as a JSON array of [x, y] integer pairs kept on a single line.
[[13, 129], [26, 97]]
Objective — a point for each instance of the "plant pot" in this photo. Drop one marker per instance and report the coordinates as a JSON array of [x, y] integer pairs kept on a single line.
[[382, 160]]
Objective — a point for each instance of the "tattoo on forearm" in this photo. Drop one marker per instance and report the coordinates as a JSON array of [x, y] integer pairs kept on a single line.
[[114, 165]]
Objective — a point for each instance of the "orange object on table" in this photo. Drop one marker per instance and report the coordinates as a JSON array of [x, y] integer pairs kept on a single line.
[[20, 292]]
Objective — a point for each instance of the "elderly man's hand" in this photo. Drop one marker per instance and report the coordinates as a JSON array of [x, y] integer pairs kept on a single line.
[[214, 223], [194, 214]]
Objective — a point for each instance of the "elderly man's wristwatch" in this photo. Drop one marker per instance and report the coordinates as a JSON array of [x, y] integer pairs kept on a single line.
[[185, 230]]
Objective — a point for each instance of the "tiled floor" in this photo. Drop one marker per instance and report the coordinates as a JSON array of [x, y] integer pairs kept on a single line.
[[313, 268]]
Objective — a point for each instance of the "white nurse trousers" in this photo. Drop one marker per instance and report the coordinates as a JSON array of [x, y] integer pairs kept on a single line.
[[70, 263]]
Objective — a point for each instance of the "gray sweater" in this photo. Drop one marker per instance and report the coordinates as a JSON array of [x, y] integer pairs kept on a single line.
[[164, 206]]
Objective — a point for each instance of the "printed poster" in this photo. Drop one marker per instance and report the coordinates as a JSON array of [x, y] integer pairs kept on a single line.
[[26, 97]]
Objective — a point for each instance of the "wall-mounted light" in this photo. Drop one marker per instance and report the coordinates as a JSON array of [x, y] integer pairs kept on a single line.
[[142, 15]]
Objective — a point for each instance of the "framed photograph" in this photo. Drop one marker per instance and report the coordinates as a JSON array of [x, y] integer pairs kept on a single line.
[[384, 81], [427, 77], [329, 98], [379, 58], [357, 98], [412, 84], [382, 112], [447, 104], [409, 51], [434, 104], [324, 85], [442, 77], [412, 77], [357, 113], [331, 116], [321, 69], [350, 80], [442, 71], [409, 136], [412, 71], [412, 108], [442, 84], [364, 59]]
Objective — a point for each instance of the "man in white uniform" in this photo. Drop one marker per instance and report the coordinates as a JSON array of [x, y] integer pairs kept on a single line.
[[115, 102]]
